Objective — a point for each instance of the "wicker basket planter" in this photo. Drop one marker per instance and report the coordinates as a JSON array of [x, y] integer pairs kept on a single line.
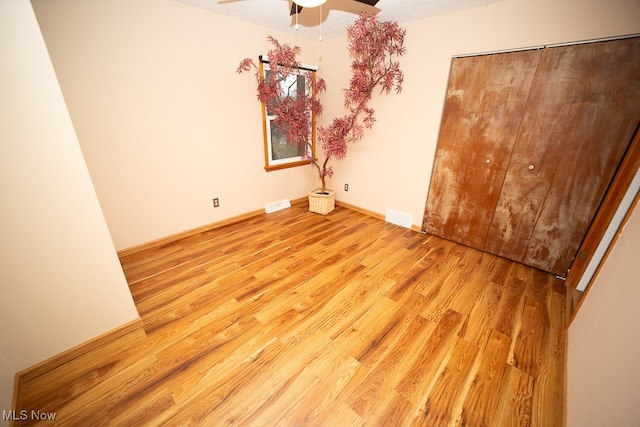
[[322, 203]]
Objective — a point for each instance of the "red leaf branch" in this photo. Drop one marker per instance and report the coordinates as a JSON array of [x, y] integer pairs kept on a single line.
[[374, 47]]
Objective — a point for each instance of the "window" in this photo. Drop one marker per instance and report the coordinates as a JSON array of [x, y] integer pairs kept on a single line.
[[279, 152]]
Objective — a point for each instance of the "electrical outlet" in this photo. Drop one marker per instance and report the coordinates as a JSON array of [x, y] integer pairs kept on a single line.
[[216, 202], [346, 187]]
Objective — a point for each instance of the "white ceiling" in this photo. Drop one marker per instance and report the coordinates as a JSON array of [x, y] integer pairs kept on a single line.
[[336, 14]]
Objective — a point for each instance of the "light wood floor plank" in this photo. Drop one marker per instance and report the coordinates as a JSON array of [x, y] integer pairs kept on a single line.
[[480, 404], [442, 404]]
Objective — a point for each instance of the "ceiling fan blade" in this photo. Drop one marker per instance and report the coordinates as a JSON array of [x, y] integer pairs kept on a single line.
[[356, 7], [369, 2], [295, 8]]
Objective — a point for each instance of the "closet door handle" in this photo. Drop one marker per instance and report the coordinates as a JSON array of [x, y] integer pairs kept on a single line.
[[531, 167], [487, 161]]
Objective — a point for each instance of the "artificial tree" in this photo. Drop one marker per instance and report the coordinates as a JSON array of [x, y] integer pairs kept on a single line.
[[374, 48]]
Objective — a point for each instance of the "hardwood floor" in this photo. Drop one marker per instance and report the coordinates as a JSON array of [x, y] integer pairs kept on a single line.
[[297, 319]]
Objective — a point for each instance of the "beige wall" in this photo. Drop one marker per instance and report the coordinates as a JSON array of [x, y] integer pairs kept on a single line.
[[60, 283], [7, 374], [164, 121], [604, 344], [166, 125]]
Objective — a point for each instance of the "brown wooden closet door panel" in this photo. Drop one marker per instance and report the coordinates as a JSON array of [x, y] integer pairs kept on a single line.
[[485, 101], [604, 113], [581, 115], [533, 164]]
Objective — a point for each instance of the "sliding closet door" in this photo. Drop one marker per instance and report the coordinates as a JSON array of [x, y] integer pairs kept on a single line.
[[583, 109], [485, 102], [528, 145]]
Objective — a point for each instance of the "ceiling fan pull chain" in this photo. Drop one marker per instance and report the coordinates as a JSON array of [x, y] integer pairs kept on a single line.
[[320, 38]]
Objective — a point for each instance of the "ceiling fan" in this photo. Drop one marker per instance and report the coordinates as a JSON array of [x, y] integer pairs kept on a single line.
[[350, 6], [296, 6]]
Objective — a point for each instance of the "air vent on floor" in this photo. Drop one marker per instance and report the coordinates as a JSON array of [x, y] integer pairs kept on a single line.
[[399, 218], [276, 206]]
